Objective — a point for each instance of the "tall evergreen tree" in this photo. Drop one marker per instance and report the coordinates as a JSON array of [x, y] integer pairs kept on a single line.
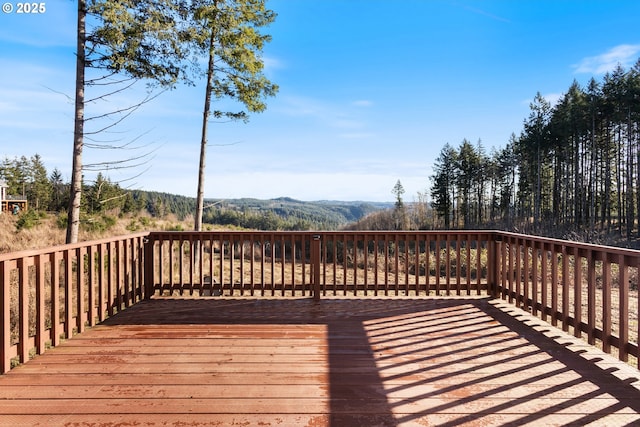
[[58, 189], [39, 189], [467, 167], [533, 146], [444, 183], [131, 40], [400, 218], [227, 33]]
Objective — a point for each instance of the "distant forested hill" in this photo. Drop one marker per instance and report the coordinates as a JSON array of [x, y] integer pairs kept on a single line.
[[283, 213]]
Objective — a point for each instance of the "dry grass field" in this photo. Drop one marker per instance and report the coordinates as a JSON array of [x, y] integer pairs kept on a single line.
[[47, 233]]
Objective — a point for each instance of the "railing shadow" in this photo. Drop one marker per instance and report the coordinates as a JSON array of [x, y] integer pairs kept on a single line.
[[442, 361]]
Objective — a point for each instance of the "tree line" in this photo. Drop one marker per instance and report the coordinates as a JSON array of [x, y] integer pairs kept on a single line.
[[103, 201], [28, 178], [575, 165]]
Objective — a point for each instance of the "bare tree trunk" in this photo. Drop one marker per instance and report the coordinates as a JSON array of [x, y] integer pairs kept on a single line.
[[203, 141], [75, 196]]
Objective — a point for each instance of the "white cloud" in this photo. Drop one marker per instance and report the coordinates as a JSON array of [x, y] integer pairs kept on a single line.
[[363, 103], [271, 63], [624, 54], [331, 115]]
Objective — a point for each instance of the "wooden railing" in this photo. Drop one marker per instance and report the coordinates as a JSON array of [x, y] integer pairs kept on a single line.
[[583, 288], [319, 263], [48, 295]]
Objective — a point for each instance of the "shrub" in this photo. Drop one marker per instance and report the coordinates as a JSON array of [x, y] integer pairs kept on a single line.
[[98, 224], [133, 226], [28, 220], [61, 221]]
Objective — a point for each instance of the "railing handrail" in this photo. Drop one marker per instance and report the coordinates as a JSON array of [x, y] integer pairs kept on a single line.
[[67, 246], [614, 250]]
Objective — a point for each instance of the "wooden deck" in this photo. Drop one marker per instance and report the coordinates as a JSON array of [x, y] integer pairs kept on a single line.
[[337, 362]]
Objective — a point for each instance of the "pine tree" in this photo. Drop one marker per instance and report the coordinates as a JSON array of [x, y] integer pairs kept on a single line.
[[227, 33], [39, 189], [399, 212], [443, 184], [132, 40]]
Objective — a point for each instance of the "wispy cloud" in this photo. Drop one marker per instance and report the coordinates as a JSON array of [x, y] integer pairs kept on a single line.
[[624, 54], [482, 12], [272, 65], [363, 103], [332, 115]]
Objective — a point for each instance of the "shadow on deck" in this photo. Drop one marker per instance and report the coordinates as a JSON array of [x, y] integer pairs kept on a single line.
[[338, 362]]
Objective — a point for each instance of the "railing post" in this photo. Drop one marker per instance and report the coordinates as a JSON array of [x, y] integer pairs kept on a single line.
[[315, 265], [148, 267]]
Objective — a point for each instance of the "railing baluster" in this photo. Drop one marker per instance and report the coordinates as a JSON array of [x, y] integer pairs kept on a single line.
[[68, 294], [468, 263], [55, 298], [534, 278], [504, 267], [458, 265], [510, 269], [447, 257], [303, 261], [386, 264], [591, 298], [427, 267], [5, 316], [606, 304], [41, 327], [527, 272], [101, 283], [407, 252], [91, 290], [354, 261], [518, 273], [262, 265], [565, 289], [23, 309], [284, 244], [251, 264], [315, 261], [118, 278], [577, 293], [438, 261], [396, 248], [126, 274], [80, 290], [554, 286], [376, 270], [544, 282]]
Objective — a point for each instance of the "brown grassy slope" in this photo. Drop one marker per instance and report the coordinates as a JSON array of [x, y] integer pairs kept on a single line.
[[47, 233]]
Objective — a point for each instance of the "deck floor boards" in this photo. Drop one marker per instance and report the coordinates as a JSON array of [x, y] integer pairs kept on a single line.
[[438, 361]]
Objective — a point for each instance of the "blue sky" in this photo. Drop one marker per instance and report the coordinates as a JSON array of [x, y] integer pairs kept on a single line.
[[370, 91]]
